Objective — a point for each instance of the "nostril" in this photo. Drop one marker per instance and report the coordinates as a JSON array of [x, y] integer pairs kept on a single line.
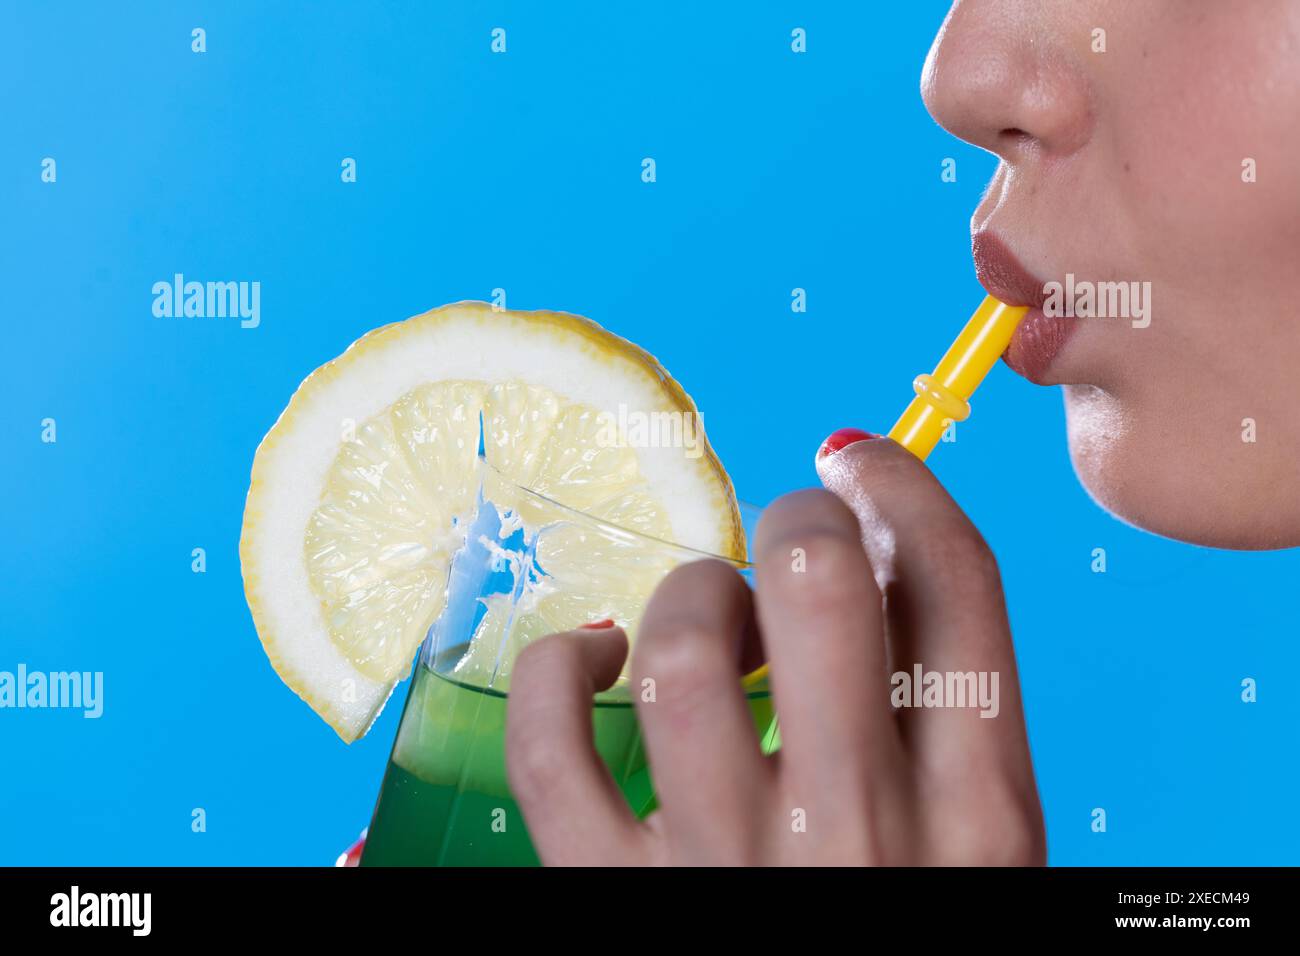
[[1013, 138]]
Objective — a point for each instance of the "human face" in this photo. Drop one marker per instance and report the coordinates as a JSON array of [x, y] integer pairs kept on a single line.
[[1170, 158]]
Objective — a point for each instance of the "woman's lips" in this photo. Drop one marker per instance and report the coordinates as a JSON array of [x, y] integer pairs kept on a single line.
[[1035, 344], [1040, 337]]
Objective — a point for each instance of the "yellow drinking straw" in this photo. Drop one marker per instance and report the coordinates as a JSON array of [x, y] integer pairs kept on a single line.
[[944, 394]]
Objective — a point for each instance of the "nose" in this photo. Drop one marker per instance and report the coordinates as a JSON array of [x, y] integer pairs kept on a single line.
[[999, 75]]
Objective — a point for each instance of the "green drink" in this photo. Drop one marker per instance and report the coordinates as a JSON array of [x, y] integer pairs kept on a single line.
[[528, 566], [445, 799]]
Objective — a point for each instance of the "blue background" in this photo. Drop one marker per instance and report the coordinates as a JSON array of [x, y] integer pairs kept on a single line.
[[522, 171]]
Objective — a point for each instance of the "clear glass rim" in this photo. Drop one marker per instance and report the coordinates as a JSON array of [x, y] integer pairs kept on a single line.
[[748, 516]]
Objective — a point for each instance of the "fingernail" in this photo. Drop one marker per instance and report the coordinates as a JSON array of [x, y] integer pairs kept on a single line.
[[842, 439], [597, 625]]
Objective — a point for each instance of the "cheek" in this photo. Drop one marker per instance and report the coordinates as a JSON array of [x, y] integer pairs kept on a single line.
[[1209, 89]]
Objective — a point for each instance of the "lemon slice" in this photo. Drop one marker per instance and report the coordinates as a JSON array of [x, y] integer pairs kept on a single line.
[[362, 490]]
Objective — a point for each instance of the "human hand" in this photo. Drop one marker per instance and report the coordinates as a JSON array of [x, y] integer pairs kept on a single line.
[[851, 588]]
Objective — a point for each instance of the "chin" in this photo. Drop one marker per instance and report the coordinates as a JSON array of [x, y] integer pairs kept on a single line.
[[1167, 481]]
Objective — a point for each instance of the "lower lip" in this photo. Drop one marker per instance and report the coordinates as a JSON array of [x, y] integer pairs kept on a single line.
[[1037, 341]]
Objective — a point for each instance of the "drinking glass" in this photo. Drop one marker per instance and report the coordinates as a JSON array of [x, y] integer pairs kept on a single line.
[[528, 566]]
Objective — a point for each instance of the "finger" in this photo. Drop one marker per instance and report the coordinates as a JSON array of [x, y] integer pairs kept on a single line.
[[944, 607], [703, 749], [574, 812], [821, 622]]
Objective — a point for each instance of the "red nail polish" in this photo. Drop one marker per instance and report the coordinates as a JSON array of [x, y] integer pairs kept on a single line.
[[352, 855], [597, 625], [843, 438]]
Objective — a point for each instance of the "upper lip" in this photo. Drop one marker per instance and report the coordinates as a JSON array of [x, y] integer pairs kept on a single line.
[[1001, 273]]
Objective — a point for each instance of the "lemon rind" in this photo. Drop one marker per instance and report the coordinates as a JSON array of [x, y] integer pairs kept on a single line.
[[351, 722]]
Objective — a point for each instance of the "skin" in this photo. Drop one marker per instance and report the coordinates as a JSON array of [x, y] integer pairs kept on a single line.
[[1123, 165], [1127, 165], [894, 573]]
